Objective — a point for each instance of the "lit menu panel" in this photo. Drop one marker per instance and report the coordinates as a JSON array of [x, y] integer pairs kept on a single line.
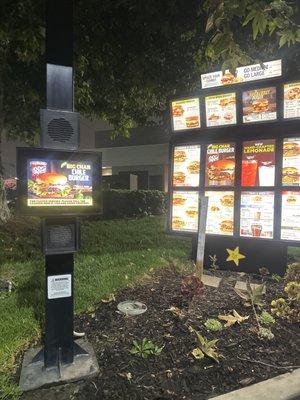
[[186, 166], [220, 212], [259, 105], [290, 215], [185, 211], [186, 114], [291, 162], [291, 108], [258, 163], [220, 109], [257, 214], [220, 164]]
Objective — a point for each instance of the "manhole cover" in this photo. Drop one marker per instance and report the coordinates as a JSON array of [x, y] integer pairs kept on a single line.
[[131, 307]]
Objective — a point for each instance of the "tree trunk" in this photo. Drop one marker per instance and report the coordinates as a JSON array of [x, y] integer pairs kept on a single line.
[[4, 210]]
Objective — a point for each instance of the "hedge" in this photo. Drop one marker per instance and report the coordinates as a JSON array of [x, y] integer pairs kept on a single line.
[[136, 203]]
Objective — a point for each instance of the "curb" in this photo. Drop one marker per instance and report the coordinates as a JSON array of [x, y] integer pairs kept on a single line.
[[282, 387]]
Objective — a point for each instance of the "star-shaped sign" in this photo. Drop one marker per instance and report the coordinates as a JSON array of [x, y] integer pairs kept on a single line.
[[235, 256]]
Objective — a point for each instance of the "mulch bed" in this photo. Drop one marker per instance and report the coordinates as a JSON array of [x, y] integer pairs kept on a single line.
[[175, 374]]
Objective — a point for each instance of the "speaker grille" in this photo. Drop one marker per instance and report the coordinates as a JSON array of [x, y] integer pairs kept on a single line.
[[60, 130]]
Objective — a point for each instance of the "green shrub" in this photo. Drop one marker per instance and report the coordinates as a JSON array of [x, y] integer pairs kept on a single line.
[[136, 203], [292, 273], [213, 325]]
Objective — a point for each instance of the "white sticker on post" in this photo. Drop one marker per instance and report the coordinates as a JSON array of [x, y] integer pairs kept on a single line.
[[59, 286]]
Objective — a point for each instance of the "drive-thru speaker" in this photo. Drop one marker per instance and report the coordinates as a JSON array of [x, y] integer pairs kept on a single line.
[[60, 129], [60, 235]]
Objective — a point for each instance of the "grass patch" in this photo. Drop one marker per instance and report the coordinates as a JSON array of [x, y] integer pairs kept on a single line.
[[114, 254]]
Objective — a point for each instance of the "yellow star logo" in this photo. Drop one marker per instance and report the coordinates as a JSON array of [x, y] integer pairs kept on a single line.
[[235, 256]]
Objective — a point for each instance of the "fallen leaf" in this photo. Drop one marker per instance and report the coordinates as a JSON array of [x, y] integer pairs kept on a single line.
[[109, 299], [197, 353], [232, 319]]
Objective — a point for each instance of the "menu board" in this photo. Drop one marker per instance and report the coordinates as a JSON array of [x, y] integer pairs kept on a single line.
[[220, 212], [186, 169], [220, 109], [291, 107], [259, 105], [291, 162], [220, 164], [185, 211], [186, 114], [248, 73], [290, 215], [257, 213], [258, 163]]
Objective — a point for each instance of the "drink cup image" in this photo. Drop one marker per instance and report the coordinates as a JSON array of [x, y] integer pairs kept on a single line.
[[256, 230], [257, 215], [266, 175], [249, 172]]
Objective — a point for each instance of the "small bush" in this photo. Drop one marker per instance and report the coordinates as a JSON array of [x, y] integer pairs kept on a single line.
[[213, 325], [292, 273], [266, 319]]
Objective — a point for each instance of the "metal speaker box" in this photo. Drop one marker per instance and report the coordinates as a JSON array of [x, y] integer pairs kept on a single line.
[[60, 235], [59, 129]]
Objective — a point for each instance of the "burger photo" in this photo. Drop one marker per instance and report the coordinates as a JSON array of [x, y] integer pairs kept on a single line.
[[227, 78], [194, 167], [192, 212], [214, 209], [257, 199], [177, 110], [50, 185], [221, 172], [226, 226], [227, 200], [291, 149], [290, 175], [178, 178], [179, 156], [291, 199], [178, 200], [228, 116], [259, 106], [229, 101], [192, 122], [177, 223]]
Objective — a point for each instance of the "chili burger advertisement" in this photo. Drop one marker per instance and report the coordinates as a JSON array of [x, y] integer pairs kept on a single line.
[[257, 213], [185, 114], [258, 163], [290, 216], [59, 183], [259, 105], [220, 164], [291, 100], [220, 109], [185, 207], [220, 212], [186, 166]]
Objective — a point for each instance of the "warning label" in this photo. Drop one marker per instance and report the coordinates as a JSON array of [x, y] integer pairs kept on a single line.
[[59, 286]]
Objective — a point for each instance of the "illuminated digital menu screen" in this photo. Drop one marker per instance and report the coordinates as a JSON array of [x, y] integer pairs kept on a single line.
[[185, 114], [259, 105], [186, 166], [290, 215], [220, 164], [185, 211], [220, 212], [220, 109], [258, 163], [291, 162], [257, 213], [291, 108]]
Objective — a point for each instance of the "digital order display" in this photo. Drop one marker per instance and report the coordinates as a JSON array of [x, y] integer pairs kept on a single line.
[[186, 166], [258, 163], [220, 109], [220, 164], [59, 183], [259, 105], [185, 114]]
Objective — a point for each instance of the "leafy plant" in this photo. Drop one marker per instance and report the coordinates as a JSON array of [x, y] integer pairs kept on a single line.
[[205, 347], [232, 319], [265, 333], [252, 296], [264, 272], [276, 278], [266, 319], [214, 266], [191, 286], [288, 309], [145, 348], [213, 325], [292, 273]]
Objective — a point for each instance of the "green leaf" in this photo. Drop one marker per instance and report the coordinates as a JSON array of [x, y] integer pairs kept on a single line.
[[209, 23]]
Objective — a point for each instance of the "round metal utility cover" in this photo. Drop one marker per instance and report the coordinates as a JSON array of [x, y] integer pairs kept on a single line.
[[131, 307]]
